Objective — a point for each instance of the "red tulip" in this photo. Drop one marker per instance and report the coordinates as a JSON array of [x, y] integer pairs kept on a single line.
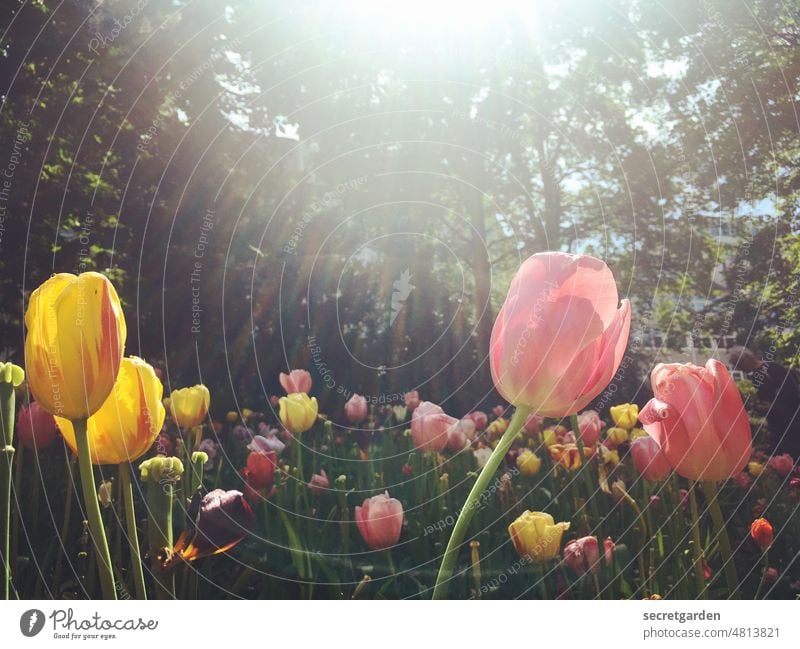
[[356, 409], [560, 335], [429, 427], [380, 520], [583, 555], [781, 464], [650, 461], [698, 419], [412, 400], [36, 427], [762, 533], [260, 469], [296, 381], [590, 426], [224, 519], [480, 419]]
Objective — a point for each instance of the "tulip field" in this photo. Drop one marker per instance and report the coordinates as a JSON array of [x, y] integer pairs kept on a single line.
[[399, 301], [539, 499]]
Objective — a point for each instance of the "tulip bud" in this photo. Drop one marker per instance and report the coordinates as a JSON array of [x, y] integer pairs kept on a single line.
[[73, 350], [298, 412], [36, 427], [189, 406], [161, 470], [319, 483], [528, 463], [583, 555], [625, 415], [356, 409], [536, 536], [590, 425], [380, 521], [232, 417], [296, 381], [770, 576], [761, 532], [616, 436]]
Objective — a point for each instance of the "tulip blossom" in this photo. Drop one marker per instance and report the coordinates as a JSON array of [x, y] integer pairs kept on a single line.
[[189, 406], [781, 464], [430, 427], [260, 470], [583, 555], [590, 425], [533, 424], [742, 480], [128, 422], [356, 409], [625, 415], [480, 419], [498, 411], [380, 521], [566, 455], [223, 520], [560, 335], [536, 536], [411, 400], [755, 469], [76, 337], [266, 443], [698, 419], [482, 456], [761, 532], [298, 412], [528, 463], [296, 381], [650, 461], [36, 427], [319, 483], [616, 436]]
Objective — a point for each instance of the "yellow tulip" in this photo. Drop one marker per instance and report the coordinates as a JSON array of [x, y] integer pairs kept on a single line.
[[625, 415], [76, 337], [528, 463], [638, 432], [246, 413], [536, 536], [617, 436], [298, 412], [755, 468], [497, 428], [189, 406], [232, 417], [128, 422]]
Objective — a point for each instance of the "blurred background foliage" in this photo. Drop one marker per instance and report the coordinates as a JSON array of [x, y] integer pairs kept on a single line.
[[315, 151]]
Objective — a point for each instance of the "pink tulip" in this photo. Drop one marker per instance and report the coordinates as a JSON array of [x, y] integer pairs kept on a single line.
[[356, 409], [608, 550], [590, 426], [742, 480], [650, 461], [532, 425], [480, 419], [582, 555], [412, 400], [781, 464], [459, 434], [560, 335], [296, 381], [380, 520], [498, 411], [429, 427], [698, 419], [319, 483], [36, 427]]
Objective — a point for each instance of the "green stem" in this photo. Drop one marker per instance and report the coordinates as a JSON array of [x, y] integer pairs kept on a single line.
[[65, 524], [7, 451], [468, 511], [133, 535], [697, 550], [763, 574], [96, 530], [159, 534], [710, 489], [587, 480], [197, 465]]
